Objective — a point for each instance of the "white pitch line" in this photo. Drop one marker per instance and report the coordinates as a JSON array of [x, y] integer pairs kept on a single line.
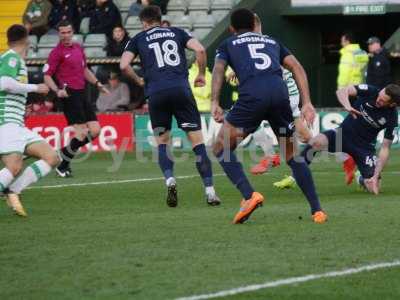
[[148, 179], [293, 280], [111, 182]]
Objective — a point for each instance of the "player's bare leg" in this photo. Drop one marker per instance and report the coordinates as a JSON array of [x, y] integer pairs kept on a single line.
[[13, 164], [84, 134], [204, 166], [226, 143], [48, 159]]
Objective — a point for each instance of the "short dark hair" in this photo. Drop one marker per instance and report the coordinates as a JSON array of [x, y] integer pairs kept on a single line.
[[242, 19], [150, 14], [64, 23], [16, 33], [393, 91], [349, 36]]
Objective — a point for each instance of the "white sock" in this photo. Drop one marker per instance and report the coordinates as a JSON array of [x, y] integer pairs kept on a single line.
[[170, 181], [264, 141], [341, 157], [30, 175], [6, 177], [210, 190]]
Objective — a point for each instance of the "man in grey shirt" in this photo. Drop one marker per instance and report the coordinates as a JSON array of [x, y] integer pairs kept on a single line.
[[118, 98]]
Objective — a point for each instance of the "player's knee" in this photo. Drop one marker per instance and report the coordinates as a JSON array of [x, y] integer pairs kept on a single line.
[[218, 145], [94, 131], [15, 168], [52, 159]]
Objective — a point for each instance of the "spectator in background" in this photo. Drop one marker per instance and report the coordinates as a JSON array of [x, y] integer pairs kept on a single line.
[[378, 70], [202, 95], [63, 10], [116, 45], [36, 16], [114, 48], [85, 7], [105, 16], [162, 4], [137, 6], [353, 61], [118, 99]]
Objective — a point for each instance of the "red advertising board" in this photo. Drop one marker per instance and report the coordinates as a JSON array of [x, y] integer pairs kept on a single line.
[[117, 131]]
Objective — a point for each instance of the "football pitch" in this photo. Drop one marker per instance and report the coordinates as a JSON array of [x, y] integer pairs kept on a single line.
[[108, 234]]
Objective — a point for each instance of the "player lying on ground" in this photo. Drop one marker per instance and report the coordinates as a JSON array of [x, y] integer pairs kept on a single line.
[[263, 95], [15, 139], [371, 112], [162, 55]]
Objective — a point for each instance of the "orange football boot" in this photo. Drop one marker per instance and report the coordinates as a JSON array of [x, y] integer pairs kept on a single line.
[[265, 163], [248, 207], [349, 167], [320, 217]]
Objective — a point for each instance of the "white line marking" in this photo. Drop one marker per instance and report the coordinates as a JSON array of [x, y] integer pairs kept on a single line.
[[148, 179], [111, 182], [293, 280]]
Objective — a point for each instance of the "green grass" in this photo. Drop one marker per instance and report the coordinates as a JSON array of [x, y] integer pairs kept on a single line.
[[121, 241]]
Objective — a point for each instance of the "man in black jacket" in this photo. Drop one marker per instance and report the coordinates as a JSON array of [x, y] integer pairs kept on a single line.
[[63, 10], [105, 16], [378, 71]]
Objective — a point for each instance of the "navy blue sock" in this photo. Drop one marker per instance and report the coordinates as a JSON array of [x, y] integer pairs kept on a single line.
[[166, 164], [302, 174], [308, 154], [203, 164], [361, 181], [233, 168]]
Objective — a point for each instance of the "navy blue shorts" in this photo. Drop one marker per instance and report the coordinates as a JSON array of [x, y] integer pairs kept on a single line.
[[364, 156], [248, 113], [177, 102]]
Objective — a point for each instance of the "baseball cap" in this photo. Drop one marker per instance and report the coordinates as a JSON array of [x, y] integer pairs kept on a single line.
[[373, 39]]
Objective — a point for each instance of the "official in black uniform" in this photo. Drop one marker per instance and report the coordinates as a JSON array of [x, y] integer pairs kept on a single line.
[[378, 71]]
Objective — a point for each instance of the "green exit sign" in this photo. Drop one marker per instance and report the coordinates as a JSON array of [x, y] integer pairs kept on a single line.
[[364, 9]]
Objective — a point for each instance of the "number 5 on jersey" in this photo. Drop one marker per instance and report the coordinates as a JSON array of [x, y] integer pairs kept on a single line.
[[256, 54], [166, 53]]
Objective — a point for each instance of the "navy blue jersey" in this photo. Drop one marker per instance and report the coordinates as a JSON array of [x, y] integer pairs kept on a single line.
[[364, 129], [254, 58], [162, 55]]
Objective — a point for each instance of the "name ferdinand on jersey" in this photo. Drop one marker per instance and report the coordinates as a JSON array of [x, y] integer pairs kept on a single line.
[[252, 39], [160, 35]]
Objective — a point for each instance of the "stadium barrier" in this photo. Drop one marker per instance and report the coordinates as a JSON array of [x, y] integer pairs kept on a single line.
[[145, 140], [117, 131], [127, 132]]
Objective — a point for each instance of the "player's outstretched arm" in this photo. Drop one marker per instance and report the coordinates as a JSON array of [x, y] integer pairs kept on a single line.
[[216, 86], [373, 184], [125, 66], [292, 64], [11, 85], [201, 58], [344, 95]]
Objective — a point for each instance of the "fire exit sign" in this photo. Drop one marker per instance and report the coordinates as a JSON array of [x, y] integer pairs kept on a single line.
[[364, 9]]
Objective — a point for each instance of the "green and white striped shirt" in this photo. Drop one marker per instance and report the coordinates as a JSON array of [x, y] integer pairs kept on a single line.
[[290, 82], [12, 106]]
